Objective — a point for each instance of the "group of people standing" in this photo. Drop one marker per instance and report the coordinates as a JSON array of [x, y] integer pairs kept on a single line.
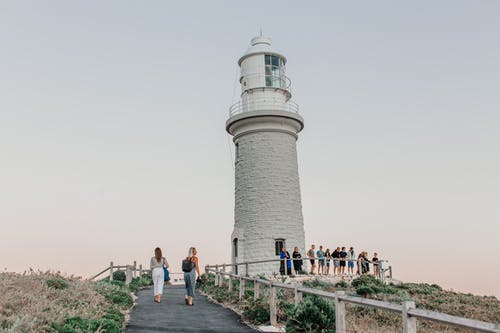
[[321, 261], [159, 271]]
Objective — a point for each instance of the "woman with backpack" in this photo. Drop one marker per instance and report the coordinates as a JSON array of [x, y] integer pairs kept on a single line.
[[190, 268], [158, 262]]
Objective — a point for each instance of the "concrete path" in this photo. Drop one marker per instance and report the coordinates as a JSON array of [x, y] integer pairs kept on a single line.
[[173, 315]]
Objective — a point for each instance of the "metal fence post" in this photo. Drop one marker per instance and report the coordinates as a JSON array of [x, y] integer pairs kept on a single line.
[[298, 296], [409, 323], [339, 313], [128, 274], [256, 290], [111, 271], [273, 315], [242, 288]]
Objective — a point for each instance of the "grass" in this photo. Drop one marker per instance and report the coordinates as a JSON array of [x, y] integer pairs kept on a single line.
[[50, 302]]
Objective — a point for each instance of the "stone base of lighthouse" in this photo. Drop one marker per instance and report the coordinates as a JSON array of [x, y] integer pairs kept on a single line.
[[268, 209]]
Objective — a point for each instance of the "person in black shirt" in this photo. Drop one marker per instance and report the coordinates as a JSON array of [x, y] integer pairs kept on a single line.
[[342, 256], [336, 262], [297, 264]]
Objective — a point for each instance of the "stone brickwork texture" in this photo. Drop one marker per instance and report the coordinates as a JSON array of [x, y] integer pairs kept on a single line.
[[267, 198]]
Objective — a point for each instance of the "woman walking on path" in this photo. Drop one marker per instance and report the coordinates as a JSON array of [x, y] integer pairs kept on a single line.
[[157, 263], [190, 268]]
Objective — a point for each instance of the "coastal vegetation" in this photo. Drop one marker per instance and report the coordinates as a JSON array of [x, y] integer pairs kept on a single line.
[[314, 314], [51, 302]]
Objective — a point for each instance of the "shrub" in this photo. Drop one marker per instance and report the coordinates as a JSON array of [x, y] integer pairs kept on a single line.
[[422, 288], [78, 324], [119, 276], [365, 280], [57, 283], [364, 290], [114, 313], [116, 295], [138, 282], [342, 284], [256, 312], [318, 284], [120, 297], [313, 314], [368, 284], [117, 283], [284, 309]]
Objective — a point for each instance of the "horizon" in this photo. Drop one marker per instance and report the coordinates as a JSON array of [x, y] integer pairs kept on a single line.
[[113, 142]]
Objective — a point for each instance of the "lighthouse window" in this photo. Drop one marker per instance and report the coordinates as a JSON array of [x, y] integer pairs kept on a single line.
[[274, 71], [237, 159], [279, 244]]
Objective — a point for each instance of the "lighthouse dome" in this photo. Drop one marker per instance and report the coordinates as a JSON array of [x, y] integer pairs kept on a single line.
[[261, 45]]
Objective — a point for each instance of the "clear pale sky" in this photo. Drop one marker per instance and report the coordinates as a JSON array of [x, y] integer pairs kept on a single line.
[[112, 136]]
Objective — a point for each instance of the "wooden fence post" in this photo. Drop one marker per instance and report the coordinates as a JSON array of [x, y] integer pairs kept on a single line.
[[298, 296], [339, 313], [135, 268], [111, 271], [273, 315], [140, 270], [128, 274], [230, 284], [256, 290], [242, 288], [409, 323], [217, 275]]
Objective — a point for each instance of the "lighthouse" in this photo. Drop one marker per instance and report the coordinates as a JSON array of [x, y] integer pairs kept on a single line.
[[265, 124]]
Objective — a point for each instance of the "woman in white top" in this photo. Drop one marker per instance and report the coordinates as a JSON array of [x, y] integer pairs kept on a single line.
[[157, 264]]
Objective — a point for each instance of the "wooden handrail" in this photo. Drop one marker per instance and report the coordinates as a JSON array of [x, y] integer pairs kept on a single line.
[[407, 309], [99, 274]]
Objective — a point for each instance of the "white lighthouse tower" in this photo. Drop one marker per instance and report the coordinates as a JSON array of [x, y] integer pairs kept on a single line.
[[264, 125]]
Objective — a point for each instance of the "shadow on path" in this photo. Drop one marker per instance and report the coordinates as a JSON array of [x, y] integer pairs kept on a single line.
[[173, 315]]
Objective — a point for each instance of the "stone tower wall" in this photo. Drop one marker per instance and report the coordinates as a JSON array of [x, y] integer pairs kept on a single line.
[[267, 197]]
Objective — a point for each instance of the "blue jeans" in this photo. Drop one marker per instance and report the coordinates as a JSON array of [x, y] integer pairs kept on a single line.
[[190, 281]]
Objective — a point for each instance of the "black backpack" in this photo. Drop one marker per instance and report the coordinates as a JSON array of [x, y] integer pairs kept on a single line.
[[187, 265]]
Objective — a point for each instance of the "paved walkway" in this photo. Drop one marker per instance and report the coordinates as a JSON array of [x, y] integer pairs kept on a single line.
[[173, 315]]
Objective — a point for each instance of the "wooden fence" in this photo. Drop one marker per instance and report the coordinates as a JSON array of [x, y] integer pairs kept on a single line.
[[131, 271], [408, 311]]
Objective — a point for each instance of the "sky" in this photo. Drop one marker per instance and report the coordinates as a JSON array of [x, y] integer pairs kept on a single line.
[[112, 136]]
